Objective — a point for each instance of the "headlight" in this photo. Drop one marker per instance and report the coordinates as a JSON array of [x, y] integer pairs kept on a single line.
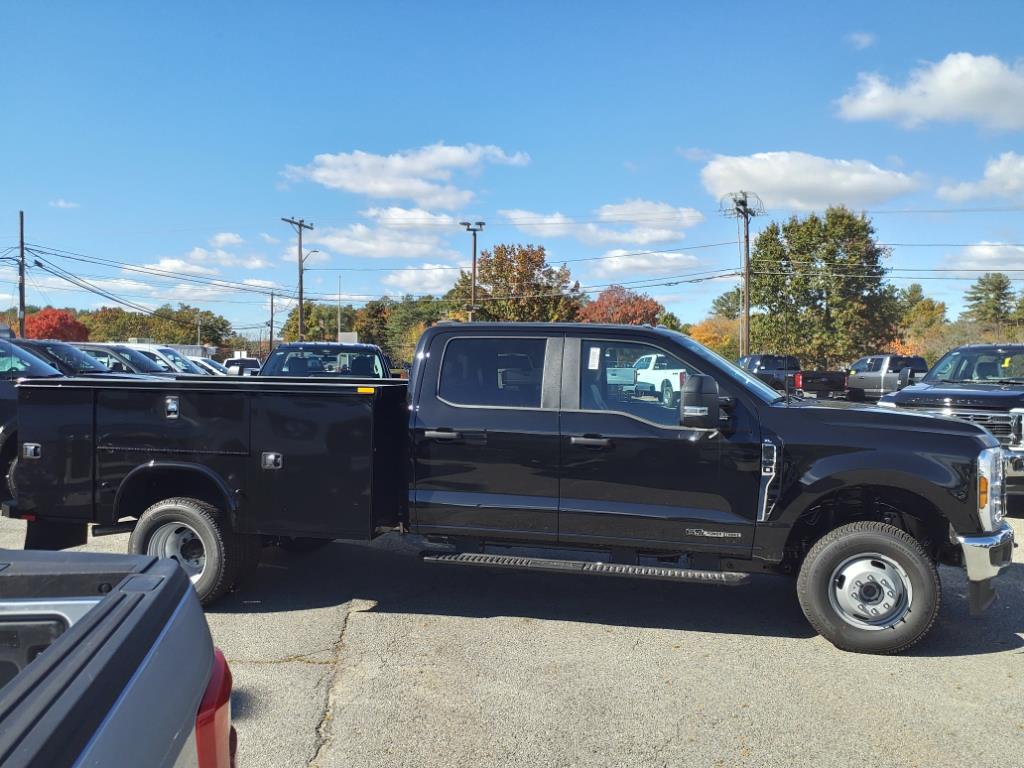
[[991, 480]]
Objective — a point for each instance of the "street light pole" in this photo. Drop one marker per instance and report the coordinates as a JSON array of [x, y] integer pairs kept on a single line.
[[299, 225], [475, 227]]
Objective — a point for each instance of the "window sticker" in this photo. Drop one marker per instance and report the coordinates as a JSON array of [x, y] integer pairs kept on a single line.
[[594, 363]]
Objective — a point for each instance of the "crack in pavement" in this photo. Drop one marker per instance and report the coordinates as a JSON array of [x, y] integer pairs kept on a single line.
[[327, 712], [296, 658]]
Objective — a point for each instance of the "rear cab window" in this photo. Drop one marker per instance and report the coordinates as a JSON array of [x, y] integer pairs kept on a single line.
[[492, 372]]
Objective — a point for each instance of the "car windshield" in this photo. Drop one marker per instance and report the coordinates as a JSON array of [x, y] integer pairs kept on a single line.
[[214, 364], [156, 359], [183, 365], [141, 362], [327, 360], [980, 364], [73, 358], [16, 362], [742, 377]]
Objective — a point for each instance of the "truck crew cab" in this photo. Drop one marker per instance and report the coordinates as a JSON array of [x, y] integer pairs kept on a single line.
[[518, 443]]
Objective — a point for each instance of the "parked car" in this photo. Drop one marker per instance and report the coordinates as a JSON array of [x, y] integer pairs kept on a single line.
[[123, 359], [325, 358], [66, 358], [784, 373], [979, 383], [243, 366], [474, 450], [164, 355], [660, 375], [876, 375], [107, 660], [210, 366]]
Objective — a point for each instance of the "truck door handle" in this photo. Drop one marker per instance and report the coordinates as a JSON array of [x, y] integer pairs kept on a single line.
[[442, 434], [590, 442]]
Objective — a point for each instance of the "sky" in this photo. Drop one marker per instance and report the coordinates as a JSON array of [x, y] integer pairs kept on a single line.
[[163, 143]]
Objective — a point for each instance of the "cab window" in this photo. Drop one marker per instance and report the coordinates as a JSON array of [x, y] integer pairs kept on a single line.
[[609, 381], [503, 373]]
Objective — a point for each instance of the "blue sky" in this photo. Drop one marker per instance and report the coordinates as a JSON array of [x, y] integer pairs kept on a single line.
[[177, 136]]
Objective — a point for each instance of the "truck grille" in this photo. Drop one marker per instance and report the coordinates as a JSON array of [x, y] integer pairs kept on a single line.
[[994, 421]]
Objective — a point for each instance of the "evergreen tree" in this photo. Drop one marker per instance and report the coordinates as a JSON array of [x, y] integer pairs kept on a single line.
[[990, 299]]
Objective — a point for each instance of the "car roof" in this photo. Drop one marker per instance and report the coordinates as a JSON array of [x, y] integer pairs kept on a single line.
[[342, 345]]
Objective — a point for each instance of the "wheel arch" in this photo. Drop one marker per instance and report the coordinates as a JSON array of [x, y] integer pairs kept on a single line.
[[154, 481]]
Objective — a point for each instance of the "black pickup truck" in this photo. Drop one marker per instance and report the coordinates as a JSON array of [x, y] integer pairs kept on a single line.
[[984, 385], [784, 373], [106, 660], [530, 446]]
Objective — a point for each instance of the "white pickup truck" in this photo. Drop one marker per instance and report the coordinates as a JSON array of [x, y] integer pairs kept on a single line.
[[661, 375]]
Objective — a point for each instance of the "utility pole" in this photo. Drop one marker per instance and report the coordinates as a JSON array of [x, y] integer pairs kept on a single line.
[[270, 346], [744, 205], [199, 332], [474, 228], [339, 308], [21, 274], [299, 225]]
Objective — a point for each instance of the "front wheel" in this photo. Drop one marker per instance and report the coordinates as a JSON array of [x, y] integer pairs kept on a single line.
[[199, 537], [668, 395], [869, 587]]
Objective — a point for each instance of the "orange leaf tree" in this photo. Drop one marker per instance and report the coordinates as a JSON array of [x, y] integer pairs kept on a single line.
[[53, 323], [621, 305]]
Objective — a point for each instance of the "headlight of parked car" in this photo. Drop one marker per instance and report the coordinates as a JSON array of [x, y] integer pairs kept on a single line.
[[991, 480]]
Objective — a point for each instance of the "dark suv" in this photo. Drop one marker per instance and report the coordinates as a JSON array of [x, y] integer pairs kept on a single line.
[[323, 358]]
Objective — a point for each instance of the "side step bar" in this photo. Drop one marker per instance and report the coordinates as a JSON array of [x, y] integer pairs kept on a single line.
[[723, 578]]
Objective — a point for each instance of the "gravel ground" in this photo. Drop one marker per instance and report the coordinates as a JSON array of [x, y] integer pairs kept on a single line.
[[363, 656]]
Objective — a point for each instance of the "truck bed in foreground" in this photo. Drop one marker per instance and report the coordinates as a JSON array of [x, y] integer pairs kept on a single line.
[[107, 660]]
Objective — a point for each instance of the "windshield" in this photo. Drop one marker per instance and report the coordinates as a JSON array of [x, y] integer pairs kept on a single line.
[[183, 365], [16, 362], [214, 364], [74, 358], [164, 366], [142, 363], [327, 360], [745, 379], [980, 364]]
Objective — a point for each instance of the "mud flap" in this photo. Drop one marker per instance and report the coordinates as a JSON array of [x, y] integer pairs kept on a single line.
[[44, 534]]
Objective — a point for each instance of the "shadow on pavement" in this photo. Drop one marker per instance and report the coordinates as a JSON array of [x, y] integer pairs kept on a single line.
[[398, 582], [243, 705]]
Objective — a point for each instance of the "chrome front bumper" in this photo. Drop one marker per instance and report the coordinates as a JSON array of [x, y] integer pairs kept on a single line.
[[985, 555]]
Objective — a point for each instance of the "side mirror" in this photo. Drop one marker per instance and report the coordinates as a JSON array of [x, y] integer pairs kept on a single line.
[[904, 379], [698, 406]]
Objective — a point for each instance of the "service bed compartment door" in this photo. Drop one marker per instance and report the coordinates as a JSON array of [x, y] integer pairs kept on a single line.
[[485, 438], [311, 464]]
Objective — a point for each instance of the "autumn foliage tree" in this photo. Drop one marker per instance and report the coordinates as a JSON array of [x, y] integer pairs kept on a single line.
[[53, 323], [621, 305]]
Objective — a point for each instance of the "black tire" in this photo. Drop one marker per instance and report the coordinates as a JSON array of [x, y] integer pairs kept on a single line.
[[223, 551], [301, 545], [815, 587], [668, 396], [12, 483]]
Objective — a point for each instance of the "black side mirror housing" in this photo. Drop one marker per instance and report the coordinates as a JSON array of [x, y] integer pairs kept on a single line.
[[698, 405], [904, 379]]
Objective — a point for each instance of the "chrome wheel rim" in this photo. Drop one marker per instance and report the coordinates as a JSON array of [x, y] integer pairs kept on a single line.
[[871, 591], [181, 543]]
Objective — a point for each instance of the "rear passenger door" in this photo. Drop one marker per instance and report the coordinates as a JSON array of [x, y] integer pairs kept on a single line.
[[485, 437]]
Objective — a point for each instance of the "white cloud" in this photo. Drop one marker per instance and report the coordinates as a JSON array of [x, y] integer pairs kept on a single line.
[[422, 175], [380, 242], [222, 258], [181, 266], [960, 88], [861, 40], [416, 218], [256, 283], [1004, 177], [801, 181], [694, 154], [620, 262], [987, 257], [60, 202], [269, 239], [225, 239], [647, 223], [430, 278]]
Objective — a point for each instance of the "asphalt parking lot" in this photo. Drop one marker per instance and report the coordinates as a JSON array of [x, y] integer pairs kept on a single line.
[[363, 656]]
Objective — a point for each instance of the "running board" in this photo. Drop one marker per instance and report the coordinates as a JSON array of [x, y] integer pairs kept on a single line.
[[722, 578]]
